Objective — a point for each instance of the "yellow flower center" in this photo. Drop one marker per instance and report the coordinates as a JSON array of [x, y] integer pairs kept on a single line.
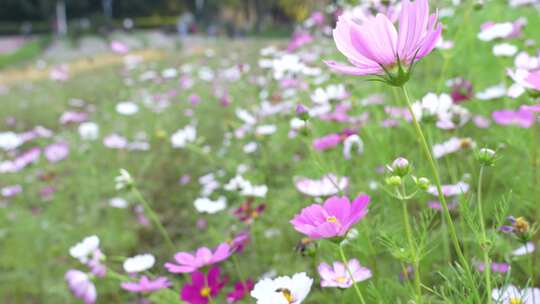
[[521, 225], [466, 143], [286, 294], [341, 279], [515, 301], [331, 219], [205, 292], [254, 214]]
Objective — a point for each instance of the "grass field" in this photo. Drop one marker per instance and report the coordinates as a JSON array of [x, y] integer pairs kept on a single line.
[[242, 114]]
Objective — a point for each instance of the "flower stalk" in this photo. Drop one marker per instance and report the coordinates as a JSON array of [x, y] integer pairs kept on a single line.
[[484, 242], [446, 212], [412, 247], [346, 264], [152, 214]]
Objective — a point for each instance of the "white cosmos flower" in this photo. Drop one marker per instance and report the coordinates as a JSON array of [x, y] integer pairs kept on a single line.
[[118, 202], [498, 30], [523, 250], [504, 49], [169, 73], [83, 249], [139, 263], [89, 130], [450, 190], [454, 144], [349, 142], [283, 290], [9, 140], [184, 136], [329, 184], [511, 295], [250, 147], [204, 204], [496, 91], [254, 190], [266, 129], [332, 92], [246, 188], [127, 108]]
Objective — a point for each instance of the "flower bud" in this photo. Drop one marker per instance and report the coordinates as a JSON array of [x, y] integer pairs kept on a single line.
[[302, 112], [478, 5], [400, 166], [486, 157], [124, 180], [393, 180], [423, 183]]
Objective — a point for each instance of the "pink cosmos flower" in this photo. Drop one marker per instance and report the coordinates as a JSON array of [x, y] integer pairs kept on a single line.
[[375, 46], [495, 267], [532, 108], [240, 241], [20, 162], [115, 141], [241, 289], [119, 47], [187, 262], [331, 140], [202, 287], [11, 191], [56, 152], [521, 118], [59, 73], [194, 99], [73, 117], [318, 18], [326, 142], [534, 80], [81, 286], [299, 39], [332, 219], [146, 285], [338, 276]]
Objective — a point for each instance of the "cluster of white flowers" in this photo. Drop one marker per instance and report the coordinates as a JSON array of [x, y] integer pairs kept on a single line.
[[139, 263], [184, 136], [245, 187]]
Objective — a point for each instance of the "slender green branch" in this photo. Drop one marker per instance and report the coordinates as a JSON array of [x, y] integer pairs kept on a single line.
[[346, 264], [412, 247], [483, 244], [154, 217], [446, 211]]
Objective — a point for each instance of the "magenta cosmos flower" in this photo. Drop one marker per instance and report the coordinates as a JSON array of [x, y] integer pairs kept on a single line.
[[187, 262], [332, 219], [146, 285], [375, 47], [241, 289], [202, 287], [338, 275]]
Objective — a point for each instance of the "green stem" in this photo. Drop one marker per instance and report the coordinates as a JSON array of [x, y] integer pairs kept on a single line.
[[412, 247], [346, 264], [483, 245], [446, 211], [239, 272], [154, 217]]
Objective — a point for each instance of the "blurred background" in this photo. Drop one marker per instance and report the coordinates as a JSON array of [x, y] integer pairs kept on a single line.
[[28, 27]]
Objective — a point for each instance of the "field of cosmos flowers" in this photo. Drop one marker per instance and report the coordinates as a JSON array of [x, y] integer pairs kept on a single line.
[[387, 153]]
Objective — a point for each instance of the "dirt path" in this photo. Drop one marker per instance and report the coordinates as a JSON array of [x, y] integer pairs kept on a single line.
[[32, 73]]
